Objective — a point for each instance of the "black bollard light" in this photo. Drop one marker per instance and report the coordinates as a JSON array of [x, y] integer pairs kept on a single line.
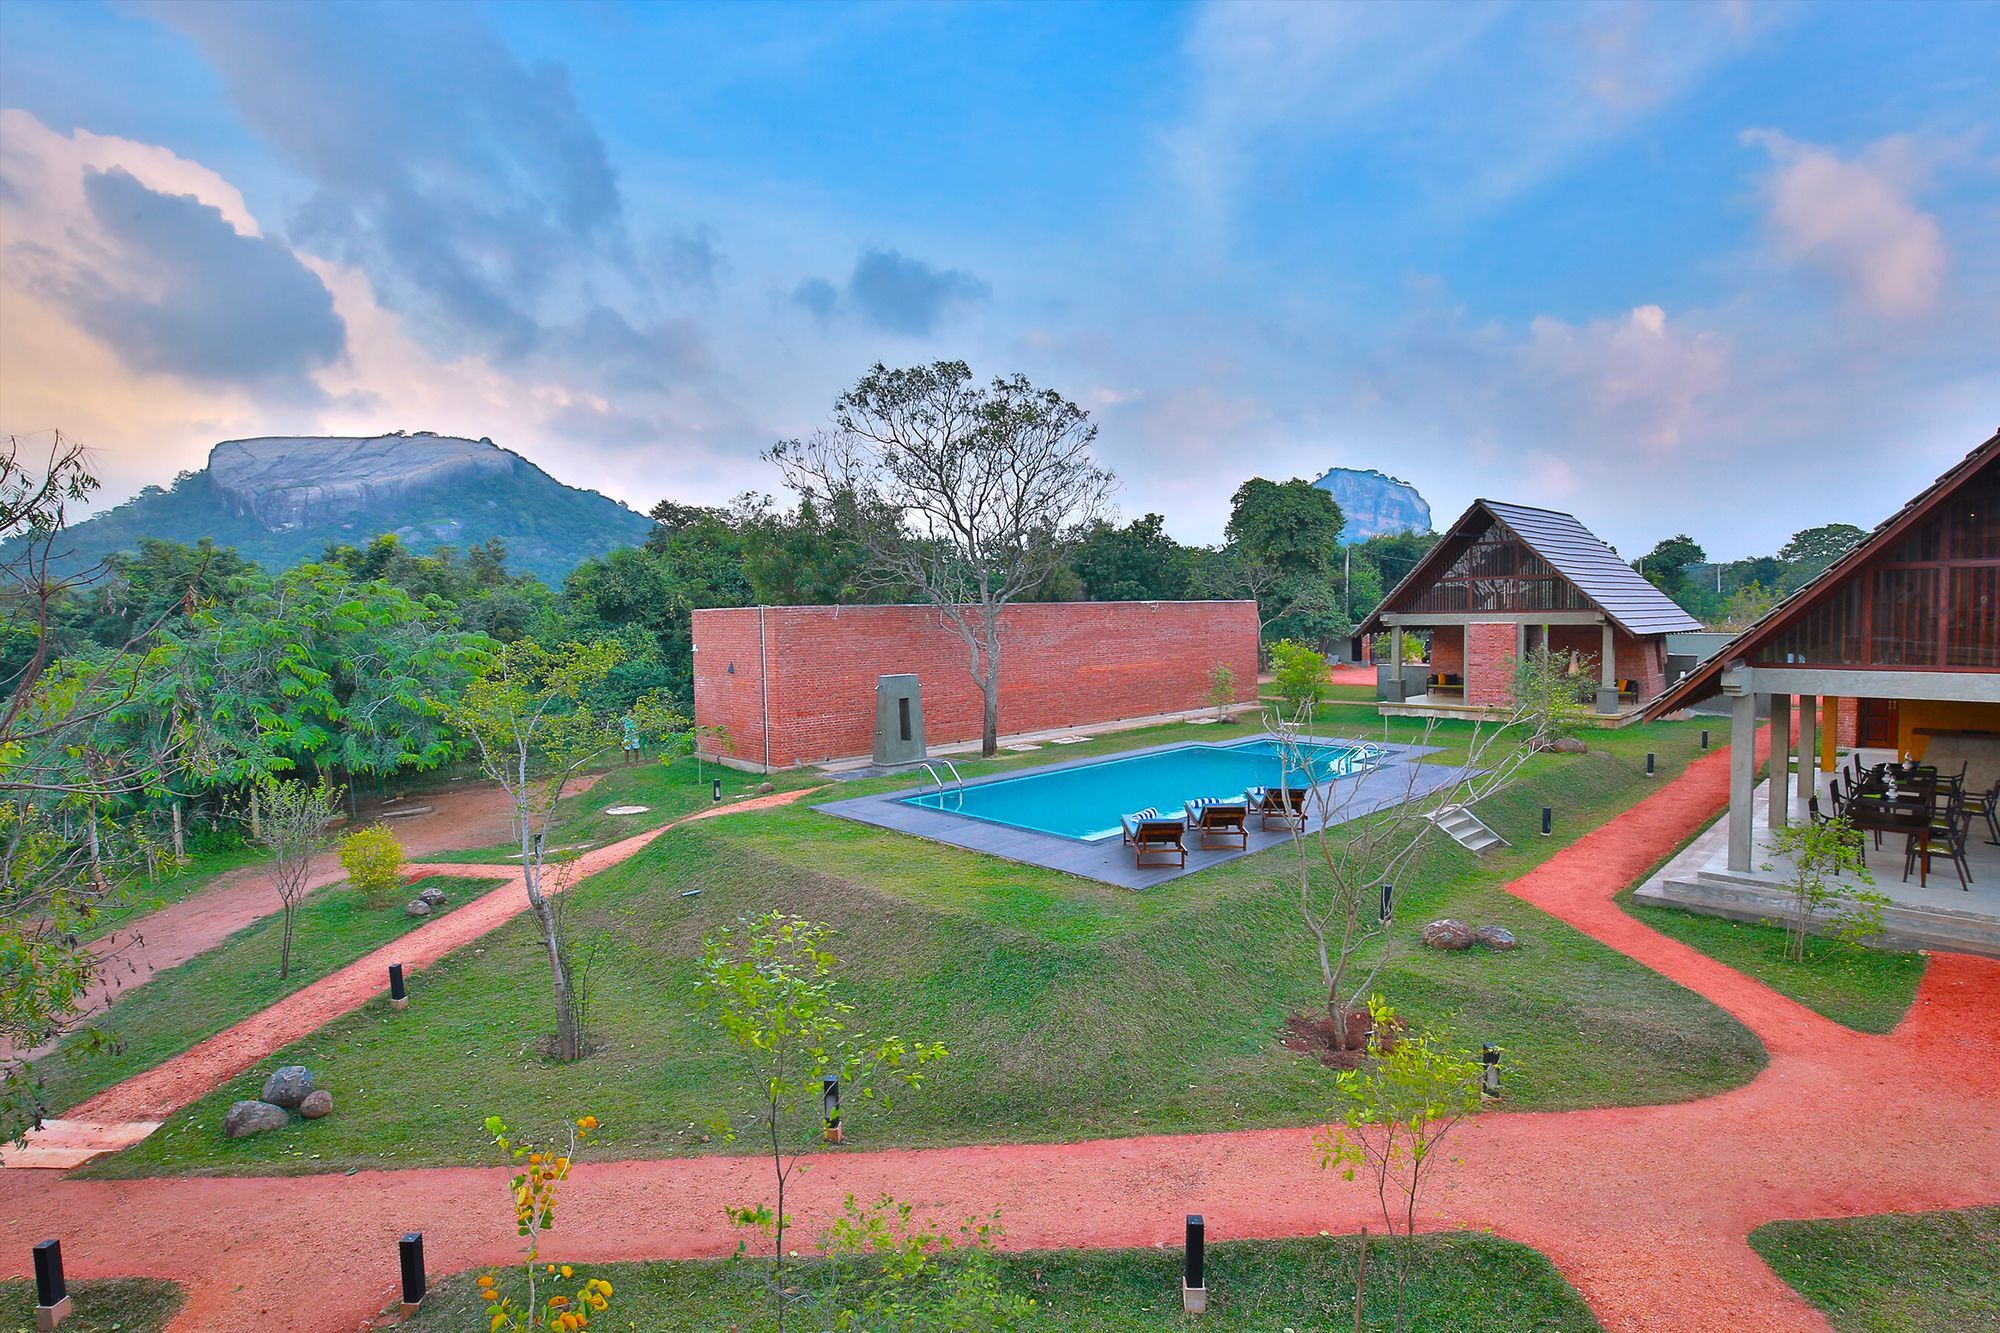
[[1704, 739], [829, 1105], [718, 791], [1548, 820], [399, 998], [1388, 893], [51, 1288], [1489, 1075], [1649, 763], [1194, 1276], [410, 1250]]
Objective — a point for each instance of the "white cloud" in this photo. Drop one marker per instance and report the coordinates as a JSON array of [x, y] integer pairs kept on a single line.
[[1854, 219], [1631, 378]]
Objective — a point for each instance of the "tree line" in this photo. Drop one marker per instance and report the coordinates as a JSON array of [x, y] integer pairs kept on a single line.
[[1731, 594]]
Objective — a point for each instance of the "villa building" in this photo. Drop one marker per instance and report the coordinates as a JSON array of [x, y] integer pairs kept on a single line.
[[1906, 626], [1506, 579]]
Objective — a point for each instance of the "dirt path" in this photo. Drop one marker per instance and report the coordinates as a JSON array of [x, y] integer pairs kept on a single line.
[[461, 818], [205, 1066], [1645, 1209]]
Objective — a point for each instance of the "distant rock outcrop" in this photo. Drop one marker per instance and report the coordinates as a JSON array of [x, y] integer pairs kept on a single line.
[[1375, 503], [283, 499], [288, 481]]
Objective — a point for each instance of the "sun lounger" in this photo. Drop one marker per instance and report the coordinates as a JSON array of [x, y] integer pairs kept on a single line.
[[1219, 819], [1285, 805], [1132, 821], [1156, 837]]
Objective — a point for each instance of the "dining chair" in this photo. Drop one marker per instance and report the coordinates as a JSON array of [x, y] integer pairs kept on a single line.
[[1985, 805], [1936, 841]]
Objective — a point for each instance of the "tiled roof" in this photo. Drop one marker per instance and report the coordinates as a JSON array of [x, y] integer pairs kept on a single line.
[[1575, 552]]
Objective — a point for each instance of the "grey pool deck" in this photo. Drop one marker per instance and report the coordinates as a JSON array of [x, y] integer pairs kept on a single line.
[[1397, 778]]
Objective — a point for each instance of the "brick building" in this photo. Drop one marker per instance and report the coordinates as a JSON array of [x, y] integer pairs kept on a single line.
[[795, 685], [1507, 579]]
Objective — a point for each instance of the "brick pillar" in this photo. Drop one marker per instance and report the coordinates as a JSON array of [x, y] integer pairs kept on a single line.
[[1489, 664]]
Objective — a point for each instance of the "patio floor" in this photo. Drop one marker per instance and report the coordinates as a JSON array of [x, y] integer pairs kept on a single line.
[[1399, 778], [1938, 915]]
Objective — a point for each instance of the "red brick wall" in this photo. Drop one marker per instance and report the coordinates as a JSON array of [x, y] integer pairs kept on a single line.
[[1062, 664], [1447, 651], [1643, 660], [1489, 664]]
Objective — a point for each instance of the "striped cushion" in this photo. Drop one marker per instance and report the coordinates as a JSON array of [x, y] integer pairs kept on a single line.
[[1148, 813]]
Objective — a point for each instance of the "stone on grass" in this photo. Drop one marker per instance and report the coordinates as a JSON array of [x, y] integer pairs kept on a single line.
[[416, 907], [247, 1118], [1448, 934], [434, 896], [1497, 937], [1570, 745], [288, 1086], [765, 787], [318, 1103]]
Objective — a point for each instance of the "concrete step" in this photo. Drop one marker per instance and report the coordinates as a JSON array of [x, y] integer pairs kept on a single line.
[[1465, 828]]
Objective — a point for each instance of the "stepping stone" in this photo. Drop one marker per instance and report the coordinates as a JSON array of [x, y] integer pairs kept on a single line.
[[60, 1145], [1020, 749], [626, 809], [410, 813], [1071, 740]]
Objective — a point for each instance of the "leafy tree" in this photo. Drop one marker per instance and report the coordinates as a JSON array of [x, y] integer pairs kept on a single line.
[[1816, 548], [890, 1273], [771, 984], [1666, 565], [968, 496], [1221, 689], [1827, 864], [1283, 543], [1548, 694], [1301, 677], [1136, 563], [294, 830], [530, 718], [808, 557], [1749, 603], [1392, 1116]]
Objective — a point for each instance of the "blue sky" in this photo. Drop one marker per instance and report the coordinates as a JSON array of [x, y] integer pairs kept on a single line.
[[1728, 269]]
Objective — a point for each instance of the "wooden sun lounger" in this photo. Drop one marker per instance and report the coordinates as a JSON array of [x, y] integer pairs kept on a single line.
[[1216, 824], [1158, 838], [1284, 805]]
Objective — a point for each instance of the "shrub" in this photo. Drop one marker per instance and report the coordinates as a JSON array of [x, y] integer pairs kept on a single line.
[[373, 860]]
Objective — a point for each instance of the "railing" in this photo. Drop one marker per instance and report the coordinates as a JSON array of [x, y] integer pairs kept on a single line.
[[957, 781]]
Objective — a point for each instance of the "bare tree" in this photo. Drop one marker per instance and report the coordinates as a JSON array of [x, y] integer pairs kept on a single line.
[[970, 496], [295, 828], [1362, 831]]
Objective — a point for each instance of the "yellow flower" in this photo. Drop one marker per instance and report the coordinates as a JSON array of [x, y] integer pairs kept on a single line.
[[566, 1271], [488, 1294], [604, 1286], [588, 1122]]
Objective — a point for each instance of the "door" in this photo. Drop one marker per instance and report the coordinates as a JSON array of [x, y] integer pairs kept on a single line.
[[1875, 724]]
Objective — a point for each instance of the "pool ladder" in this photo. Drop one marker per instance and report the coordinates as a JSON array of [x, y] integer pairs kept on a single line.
[[957, 782]]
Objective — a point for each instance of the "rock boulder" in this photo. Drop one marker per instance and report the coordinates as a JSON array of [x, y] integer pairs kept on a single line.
[[416, 907], [1448, 934], [434, 896], [288, 1086], [247, 1118], [1496, 937], [318, 1104]]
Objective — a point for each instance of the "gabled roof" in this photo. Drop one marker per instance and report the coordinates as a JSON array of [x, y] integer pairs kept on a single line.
[[1573, 551], [1702, 682]]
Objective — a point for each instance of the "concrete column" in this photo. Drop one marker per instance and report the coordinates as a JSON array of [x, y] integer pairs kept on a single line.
[[1781, 758], [1808, 745], [1394, 694], [1742, 777], [1607, 675]]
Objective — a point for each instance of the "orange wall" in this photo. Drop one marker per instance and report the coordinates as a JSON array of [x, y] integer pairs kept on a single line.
[[1942, 716]]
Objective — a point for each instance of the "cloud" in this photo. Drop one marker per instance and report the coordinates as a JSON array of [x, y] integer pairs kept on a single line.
[[1631, 379], [689, 259], [1852, 219], [892, 291], [469, 185], [219, 306]]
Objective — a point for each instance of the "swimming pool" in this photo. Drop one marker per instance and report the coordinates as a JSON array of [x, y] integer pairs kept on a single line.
[[1086, 801]]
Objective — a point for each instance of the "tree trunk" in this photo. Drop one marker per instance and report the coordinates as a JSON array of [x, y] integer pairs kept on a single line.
[[989, 686], [285, 946], [567, 1045], [180, 849]]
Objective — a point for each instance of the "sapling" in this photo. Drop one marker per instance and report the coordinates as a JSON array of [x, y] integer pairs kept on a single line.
[[294, 829], [1826, 864]]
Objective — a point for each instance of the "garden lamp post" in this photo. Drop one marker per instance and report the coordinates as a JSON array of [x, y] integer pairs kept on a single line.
[[1489, 1074], [829, 1105]]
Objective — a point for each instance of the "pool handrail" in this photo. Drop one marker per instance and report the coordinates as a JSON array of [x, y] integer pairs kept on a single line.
[[958, 780]]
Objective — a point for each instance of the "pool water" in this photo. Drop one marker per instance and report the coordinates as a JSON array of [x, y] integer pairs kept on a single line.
[[1086, 801]]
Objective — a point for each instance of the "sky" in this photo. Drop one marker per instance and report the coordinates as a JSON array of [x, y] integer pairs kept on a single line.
[[1729, 269]]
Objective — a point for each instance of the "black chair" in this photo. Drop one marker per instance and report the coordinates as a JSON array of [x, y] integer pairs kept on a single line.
[[1938, 841], [1986, 806], [1812, 809]]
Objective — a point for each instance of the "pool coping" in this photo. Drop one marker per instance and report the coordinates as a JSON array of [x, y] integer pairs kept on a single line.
[[1110, 861]]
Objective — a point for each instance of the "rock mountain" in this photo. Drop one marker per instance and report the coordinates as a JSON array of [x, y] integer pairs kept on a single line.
[[1375, 503], [283, 499]]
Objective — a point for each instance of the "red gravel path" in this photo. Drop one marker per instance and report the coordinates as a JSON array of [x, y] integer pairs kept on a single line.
[[1645, 1209]]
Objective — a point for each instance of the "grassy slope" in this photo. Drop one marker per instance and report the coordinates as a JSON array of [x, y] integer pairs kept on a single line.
[[1868, 990], [1911, 1273], [174, 1009], [1459, 1284], [669, 790], [127, 1304], [1073, 1009]]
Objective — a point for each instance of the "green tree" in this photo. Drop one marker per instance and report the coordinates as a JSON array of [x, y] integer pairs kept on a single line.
[[1283, 550], [1548, 694], [1302, 679], [1816, 548], [969, 496], [530, 719], [1828, 883], [1392, 1116], [771, 984], [1136, 563], [1666, 565]]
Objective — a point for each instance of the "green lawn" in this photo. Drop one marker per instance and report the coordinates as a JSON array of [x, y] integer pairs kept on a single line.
[[669, 790], [1458, 1284], [1072, 1009], [123, 1304], [1868, 990], [174, 1009], [1903, 1273]]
